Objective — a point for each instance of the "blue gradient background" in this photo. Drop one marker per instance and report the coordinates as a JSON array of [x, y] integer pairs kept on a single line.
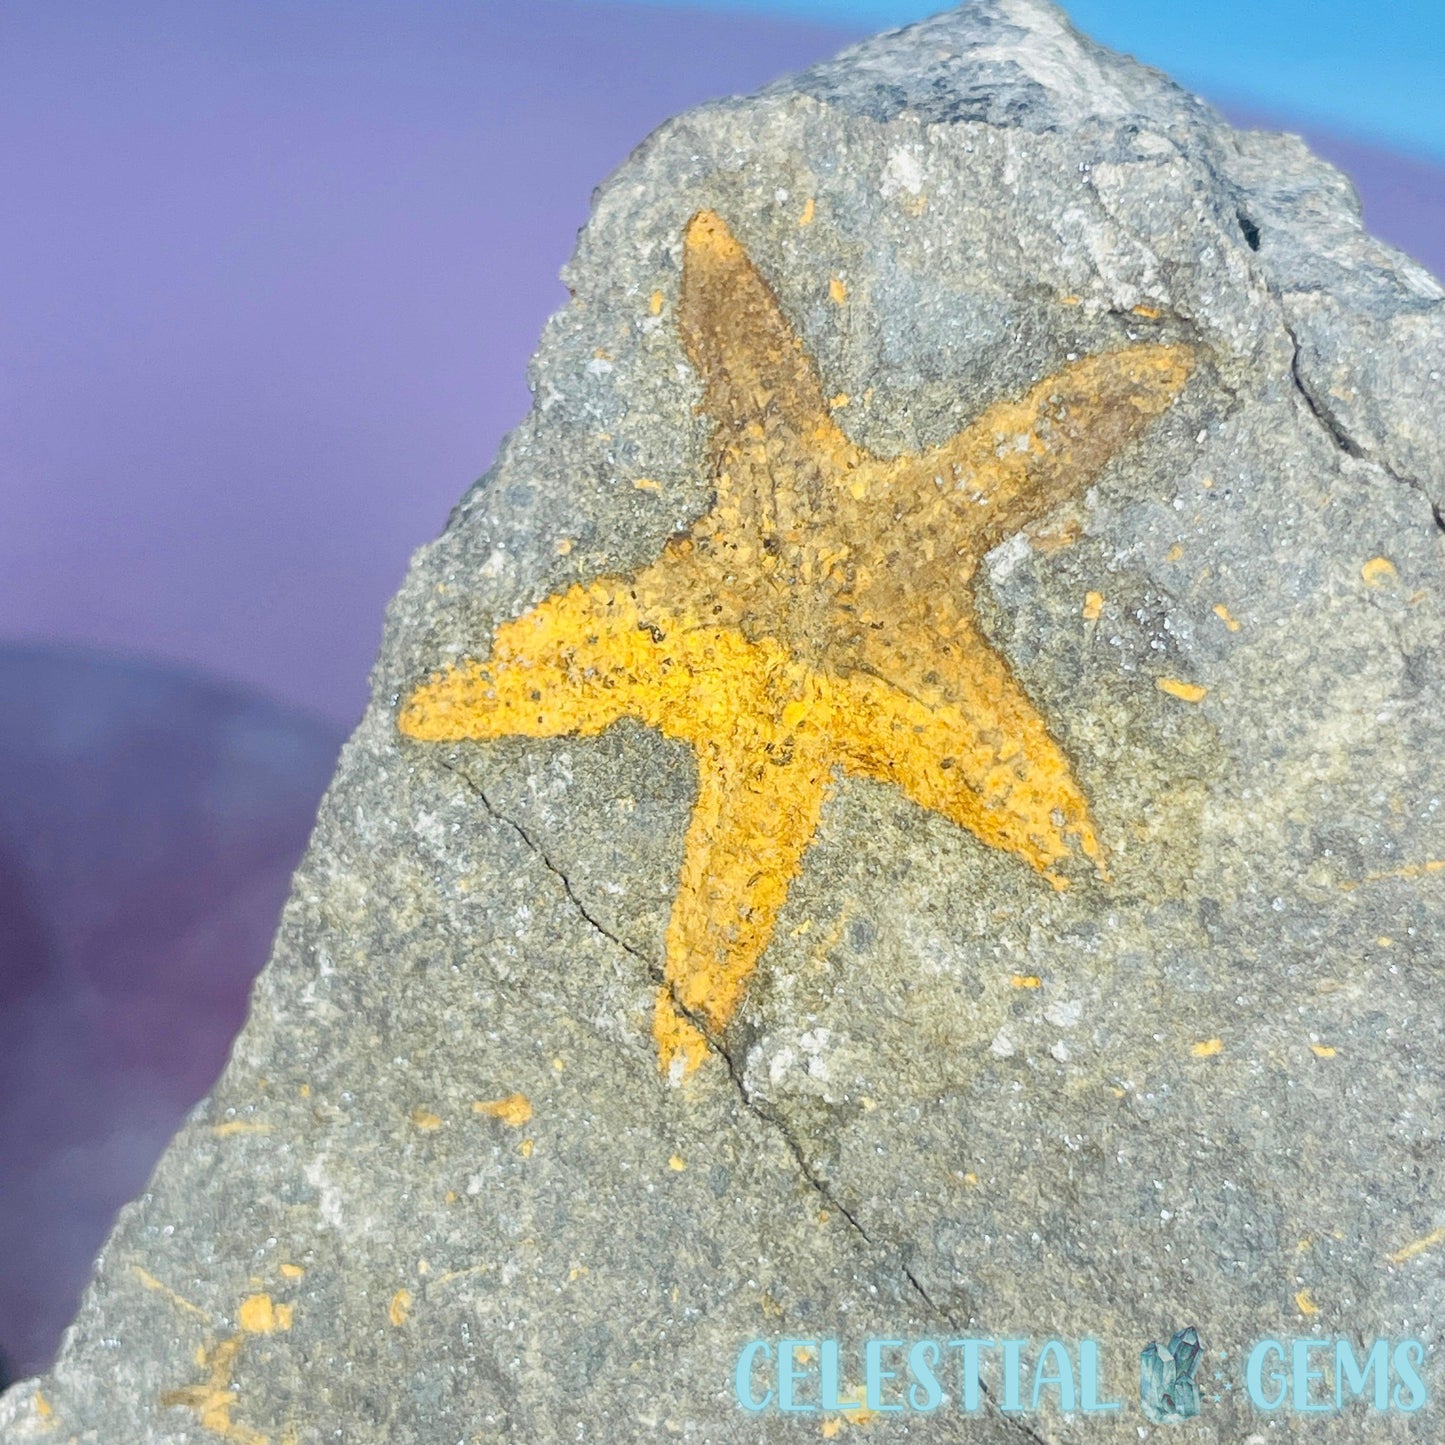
[[270, 273]]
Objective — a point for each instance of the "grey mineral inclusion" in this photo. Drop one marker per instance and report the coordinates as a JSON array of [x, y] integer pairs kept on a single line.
[[442, 1192]]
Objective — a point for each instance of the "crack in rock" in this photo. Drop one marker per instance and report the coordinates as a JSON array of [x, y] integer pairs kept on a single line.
[[1339, 435], [766, 1116], [534, 847], [1334, 429]]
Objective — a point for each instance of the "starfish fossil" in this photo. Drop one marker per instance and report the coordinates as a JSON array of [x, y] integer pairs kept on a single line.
[[817, 618]]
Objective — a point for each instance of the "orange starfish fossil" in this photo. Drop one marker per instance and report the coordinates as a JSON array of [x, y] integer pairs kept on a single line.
[[817, 617]]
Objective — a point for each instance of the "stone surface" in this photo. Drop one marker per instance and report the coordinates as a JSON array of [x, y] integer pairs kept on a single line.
[[444, 1192]]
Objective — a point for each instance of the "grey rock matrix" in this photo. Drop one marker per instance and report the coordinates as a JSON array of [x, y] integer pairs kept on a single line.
[[444, 1191]]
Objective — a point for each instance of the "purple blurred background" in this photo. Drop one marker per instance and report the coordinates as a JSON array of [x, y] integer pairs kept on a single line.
[[269, 278]]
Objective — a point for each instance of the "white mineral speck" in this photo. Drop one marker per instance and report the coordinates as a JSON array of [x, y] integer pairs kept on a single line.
[[1064, 1013], [1002, 1046], [902, 173]]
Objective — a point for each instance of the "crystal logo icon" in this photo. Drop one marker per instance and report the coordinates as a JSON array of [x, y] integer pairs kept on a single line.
[[1167, 1388]]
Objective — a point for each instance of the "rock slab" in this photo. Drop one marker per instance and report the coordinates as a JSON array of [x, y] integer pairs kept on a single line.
[[905, 805]]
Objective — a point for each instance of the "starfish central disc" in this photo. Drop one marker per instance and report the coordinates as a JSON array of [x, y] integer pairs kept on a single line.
[[817, 619]]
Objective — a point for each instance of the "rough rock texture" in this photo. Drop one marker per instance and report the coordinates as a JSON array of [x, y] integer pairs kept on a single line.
[[444, 1192]]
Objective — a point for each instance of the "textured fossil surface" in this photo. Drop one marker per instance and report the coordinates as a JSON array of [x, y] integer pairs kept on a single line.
[[1188, 649]]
